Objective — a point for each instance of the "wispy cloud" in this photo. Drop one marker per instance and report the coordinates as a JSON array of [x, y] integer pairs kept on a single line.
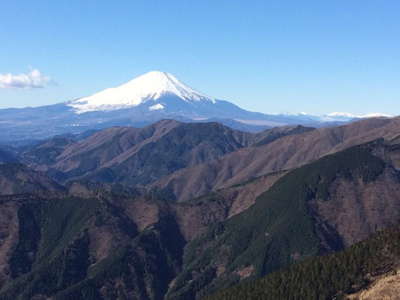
[[32, 79]]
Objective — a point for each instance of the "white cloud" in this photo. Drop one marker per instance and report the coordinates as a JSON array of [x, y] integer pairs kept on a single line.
[[32, 79]]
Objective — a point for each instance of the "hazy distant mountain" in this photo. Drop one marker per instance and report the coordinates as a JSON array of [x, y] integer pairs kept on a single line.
[[343, 116], [140, 102], [7, 156]]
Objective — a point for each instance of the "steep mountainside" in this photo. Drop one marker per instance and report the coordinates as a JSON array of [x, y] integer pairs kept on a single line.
[[113, 243], [139, 156], [286, 195], [305, 213], [365, 271], [16, 178], [188, 160], [107, 244], [74, 248], [288, 152], [268, 136], [46, 152]]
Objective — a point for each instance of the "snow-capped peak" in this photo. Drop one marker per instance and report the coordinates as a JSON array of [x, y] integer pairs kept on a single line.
[[335, 116], [359, 116], [150, 86], [346, 117]]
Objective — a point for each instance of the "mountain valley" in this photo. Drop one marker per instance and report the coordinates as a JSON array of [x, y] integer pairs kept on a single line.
[[199, 150], [184, 210]]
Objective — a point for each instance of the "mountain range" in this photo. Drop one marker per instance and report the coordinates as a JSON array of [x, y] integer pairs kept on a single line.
[[199, 200], [142, 101], [179, 210]]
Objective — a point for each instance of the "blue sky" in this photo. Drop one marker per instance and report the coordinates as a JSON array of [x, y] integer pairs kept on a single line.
[[269, 56]]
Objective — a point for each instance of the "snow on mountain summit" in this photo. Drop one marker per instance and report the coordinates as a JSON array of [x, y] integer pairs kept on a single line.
[[150, 86], [346, 117], [358, 116]]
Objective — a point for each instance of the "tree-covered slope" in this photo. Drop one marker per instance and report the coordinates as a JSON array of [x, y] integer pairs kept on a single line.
[[286, 224], [327, 277], [134, 155], [120, 244], [86, 248], [284, 153], [16, 178]]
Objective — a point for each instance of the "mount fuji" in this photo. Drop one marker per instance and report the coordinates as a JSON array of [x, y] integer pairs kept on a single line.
[[157, 95], [144, 100], [151, 87]]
